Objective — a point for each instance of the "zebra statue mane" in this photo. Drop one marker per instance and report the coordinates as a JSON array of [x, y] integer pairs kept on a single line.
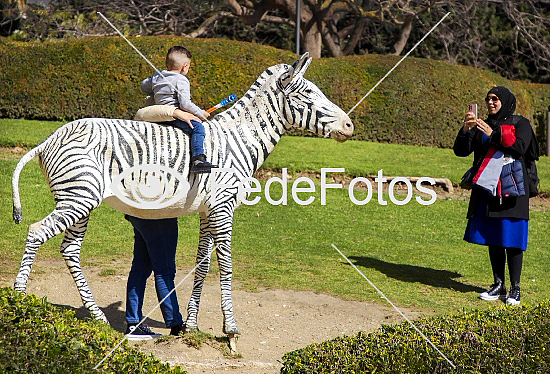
[[142, 169]]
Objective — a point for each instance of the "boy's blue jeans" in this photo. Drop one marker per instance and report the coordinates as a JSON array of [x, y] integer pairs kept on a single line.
[[196, 133], [155, 244]]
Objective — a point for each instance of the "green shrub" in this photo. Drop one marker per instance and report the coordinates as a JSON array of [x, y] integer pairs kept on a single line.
[[422, 102], [498, 340], [36, 337]]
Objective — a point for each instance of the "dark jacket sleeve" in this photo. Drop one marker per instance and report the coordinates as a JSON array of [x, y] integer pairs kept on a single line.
[[464, 142]]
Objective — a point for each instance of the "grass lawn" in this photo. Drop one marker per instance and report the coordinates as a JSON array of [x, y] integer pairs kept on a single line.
[[23, 133], [413, 253], [311, 154], [366, 158]]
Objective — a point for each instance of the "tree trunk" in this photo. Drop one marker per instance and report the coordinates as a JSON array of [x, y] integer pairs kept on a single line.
[[403, 35], [22, 7], [355, 36], [331, 47], [16, 9], [312, 43], [312, 40]]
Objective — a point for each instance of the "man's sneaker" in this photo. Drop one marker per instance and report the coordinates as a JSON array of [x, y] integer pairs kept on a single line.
[[199, 165], [141, 332], [513, 298], [497, 291]]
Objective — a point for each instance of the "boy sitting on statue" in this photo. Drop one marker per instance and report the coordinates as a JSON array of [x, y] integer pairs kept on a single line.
[[170, 90]]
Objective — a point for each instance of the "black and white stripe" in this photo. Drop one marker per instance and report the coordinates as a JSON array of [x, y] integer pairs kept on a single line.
[[82, 159]]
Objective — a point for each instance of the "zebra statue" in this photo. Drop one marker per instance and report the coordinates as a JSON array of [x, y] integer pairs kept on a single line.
[[91, 160]]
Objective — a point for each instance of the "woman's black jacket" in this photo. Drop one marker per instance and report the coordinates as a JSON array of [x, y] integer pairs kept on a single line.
[[466, 143]]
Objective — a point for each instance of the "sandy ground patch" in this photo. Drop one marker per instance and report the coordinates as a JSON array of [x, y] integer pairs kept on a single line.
[[272, 322]]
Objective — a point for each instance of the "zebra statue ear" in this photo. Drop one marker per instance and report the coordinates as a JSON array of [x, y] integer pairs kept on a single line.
[[297, 69], [301, 65], [284, 80]]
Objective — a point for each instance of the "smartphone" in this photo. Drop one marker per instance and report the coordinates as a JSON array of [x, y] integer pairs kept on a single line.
[[473, 108]]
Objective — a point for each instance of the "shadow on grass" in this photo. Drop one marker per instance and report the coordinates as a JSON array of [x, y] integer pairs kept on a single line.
[[416, 274]]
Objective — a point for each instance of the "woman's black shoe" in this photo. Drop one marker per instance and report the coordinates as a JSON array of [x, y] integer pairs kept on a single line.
[[513, 298], [497, 291]]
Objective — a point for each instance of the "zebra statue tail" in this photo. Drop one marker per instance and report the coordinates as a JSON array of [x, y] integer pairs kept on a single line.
[[17, 211]]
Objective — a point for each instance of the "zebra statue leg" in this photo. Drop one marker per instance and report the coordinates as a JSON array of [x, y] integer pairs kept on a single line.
[[62, 218], [215, 231], [39, 232], [70, 249], [206, 242], [222, 240], [223, 252]]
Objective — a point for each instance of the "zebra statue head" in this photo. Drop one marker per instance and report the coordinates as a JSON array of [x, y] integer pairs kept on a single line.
[[301, 103]]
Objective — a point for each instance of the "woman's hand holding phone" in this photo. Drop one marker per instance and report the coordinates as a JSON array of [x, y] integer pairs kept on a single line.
[[470, 118]]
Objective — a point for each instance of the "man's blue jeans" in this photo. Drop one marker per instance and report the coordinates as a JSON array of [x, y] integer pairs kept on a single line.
[[196, 133], [155, 244]]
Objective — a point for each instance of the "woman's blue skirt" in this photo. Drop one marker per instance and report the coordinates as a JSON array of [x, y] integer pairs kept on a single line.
[[501, 232]]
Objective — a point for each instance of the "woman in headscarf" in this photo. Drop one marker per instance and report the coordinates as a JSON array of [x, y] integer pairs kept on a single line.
[[499, 222]]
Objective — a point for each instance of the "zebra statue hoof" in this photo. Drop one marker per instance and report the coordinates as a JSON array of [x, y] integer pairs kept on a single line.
[[232, 330], [98, 315], [21, 288], [104, 319], [187, 329], [233, 343]]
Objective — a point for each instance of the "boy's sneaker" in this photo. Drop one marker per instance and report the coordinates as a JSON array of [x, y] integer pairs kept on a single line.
[[141, 332], [513, 298], [199, 165], [497, 291]]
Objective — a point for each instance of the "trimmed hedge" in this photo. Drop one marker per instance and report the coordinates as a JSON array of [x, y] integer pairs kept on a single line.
[[36, 337], [499, 340], [100, 77], [421, 103]]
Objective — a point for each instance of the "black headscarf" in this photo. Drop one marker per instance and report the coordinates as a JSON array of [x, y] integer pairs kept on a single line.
[[508, 107]]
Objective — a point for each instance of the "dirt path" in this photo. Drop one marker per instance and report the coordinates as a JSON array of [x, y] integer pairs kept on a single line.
[[272, 322]]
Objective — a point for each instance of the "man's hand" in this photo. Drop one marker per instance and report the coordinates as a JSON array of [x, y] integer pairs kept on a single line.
[[185, 116]]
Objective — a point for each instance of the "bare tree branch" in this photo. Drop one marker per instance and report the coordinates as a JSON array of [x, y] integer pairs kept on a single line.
[[203, 28]]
